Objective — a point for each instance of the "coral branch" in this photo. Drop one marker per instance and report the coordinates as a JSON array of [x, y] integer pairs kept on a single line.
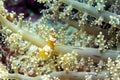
[[91, 10], [88, 52], [31, 37], [90, 30], [61, 76]]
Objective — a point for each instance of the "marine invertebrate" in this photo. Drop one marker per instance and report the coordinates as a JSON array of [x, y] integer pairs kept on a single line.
[[86, 47], [47, 49]]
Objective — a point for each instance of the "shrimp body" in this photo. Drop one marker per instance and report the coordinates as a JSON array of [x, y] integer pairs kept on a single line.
[[49, 47]]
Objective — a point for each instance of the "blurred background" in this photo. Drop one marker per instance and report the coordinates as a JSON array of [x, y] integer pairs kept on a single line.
[[30, 8]]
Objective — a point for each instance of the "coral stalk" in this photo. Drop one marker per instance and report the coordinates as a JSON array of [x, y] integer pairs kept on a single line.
[[91, 10], [90, 30], [31, 37], [62, 76]]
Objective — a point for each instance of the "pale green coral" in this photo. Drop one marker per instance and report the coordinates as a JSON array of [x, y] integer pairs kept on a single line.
[[75, 48]]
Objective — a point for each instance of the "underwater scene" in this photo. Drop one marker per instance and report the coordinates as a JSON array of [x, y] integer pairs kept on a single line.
[[59, 39]]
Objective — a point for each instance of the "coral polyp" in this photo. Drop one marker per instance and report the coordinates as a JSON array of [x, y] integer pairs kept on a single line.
[[67, 40]]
